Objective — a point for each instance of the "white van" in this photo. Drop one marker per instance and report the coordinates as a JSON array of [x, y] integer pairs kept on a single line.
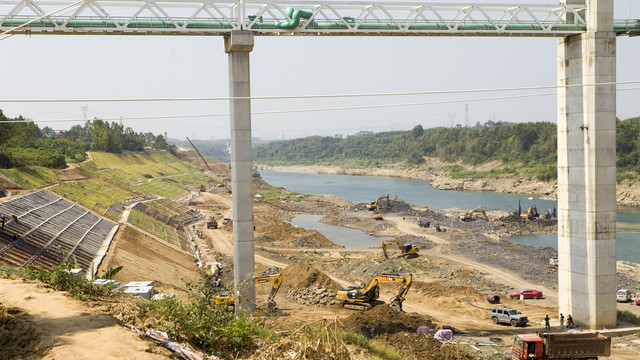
[[623, 295]]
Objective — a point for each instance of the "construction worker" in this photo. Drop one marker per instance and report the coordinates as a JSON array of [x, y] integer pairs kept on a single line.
[[546, 323], [569, 322]]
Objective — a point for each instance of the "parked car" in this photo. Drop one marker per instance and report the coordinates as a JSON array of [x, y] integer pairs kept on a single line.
[[638, 300], [508, 316], [528, 294], [623, 295]]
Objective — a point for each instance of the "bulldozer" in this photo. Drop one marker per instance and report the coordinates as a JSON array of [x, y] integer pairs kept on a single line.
[[276, 279], [531, 213], [469, 215], [409, 251], [364, 298], [212, 223]]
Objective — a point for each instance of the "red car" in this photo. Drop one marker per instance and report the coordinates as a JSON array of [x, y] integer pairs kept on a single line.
[[528, 294], [638, 300]]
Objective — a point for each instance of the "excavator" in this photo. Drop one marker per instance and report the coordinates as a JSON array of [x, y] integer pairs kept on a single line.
[[409, 251], [364, 298], [276, 279], [374, 205], [469, 215], [531, 213]]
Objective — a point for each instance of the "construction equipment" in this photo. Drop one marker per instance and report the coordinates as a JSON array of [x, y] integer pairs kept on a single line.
[[276, 279], [531, 213], [212, 223], [408, 251], [364, 298], [201, 157], [546, 346], [374, 205], [469, 215]]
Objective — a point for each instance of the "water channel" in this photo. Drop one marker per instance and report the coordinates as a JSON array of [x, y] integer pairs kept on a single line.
[[419, 192]]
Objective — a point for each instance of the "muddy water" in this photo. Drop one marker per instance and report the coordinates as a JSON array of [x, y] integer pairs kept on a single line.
[[418, 192], [347, 237]]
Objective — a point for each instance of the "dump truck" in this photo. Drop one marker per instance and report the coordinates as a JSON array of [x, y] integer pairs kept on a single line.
[[549, 346]]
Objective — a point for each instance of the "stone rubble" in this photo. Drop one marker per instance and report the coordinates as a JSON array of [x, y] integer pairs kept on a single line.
[[316, 295]]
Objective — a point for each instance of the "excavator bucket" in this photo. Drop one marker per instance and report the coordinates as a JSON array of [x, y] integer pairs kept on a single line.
[[271, 305], [396, 303]]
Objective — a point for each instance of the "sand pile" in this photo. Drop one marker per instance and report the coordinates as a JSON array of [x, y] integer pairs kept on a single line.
[[19, 336], [301, 275]]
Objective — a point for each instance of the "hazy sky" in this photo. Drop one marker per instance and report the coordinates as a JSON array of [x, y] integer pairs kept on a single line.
[[147, 66]]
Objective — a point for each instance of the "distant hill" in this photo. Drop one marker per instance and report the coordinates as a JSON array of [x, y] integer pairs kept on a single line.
[[511, 149]]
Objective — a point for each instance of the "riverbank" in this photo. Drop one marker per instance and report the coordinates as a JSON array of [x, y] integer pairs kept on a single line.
[[627, 193]]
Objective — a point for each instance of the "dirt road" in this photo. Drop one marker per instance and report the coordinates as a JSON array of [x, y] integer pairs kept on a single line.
[[71, 329]]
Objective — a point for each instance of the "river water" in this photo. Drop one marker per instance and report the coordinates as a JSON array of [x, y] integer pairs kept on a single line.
[[347, 237], [419, 192]]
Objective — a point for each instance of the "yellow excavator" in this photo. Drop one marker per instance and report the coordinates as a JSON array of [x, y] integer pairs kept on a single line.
[[276, 279], [374, 205], [377, 215], [469, 215], [409, 251], [359, 298], [531, 213]]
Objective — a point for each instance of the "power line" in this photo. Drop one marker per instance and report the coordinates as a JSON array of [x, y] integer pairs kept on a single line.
[[326, 96], [360, 107]]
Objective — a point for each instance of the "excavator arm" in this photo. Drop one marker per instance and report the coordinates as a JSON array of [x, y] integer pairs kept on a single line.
[[276, 279], [384, 246], [396, 302], [469, 216]]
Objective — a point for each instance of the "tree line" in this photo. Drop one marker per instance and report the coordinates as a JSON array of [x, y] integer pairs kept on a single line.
[[25, 143], [517, 147]]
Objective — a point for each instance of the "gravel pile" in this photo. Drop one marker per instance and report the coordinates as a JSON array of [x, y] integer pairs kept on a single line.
[[271, 270], [316, 295]]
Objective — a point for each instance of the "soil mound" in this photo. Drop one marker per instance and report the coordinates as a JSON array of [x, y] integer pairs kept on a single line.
[[385, 320], [420, 346], [398, 330], [19, 336], [300, 275]]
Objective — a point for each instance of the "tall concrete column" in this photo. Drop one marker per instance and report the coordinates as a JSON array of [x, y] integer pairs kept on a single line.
[[238, 45], [586, 171]]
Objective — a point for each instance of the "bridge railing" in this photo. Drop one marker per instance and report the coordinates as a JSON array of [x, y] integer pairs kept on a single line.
[[204, 17]]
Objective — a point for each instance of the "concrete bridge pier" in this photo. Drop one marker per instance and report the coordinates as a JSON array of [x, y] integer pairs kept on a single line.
[[238, 45], [587, 170]]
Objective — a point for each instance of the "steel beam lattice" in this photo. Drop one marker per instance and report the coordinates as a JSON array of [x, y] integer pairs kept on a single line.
[[204, 17]]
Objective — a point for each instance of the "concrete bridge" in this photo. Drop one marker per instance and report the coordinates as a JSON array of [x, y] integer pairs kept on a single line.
[[586, 33]]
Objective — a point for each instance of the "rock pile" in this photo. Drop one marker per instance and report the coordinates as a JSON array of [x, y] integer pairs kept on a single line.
[[316, 295], [271, 270]]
